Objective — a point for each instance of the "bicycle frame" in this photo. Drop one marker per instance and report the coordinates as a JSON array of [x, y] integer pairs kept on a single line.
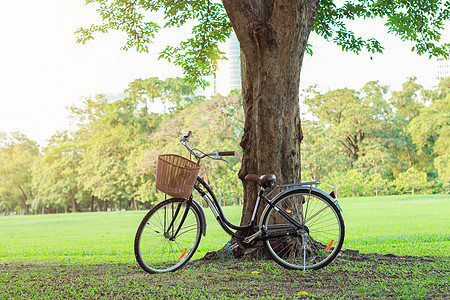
[[206, 192], [227, 226]]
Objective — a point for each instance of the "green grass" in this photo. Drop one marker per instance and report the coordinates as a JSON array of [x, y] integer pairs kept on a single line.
[[87, 237], [376, 277], [90, 256], [401, 225]]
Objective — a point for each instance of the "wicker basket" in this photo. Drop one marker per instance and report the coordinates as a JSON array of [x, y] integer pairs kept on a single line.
[[176, 175]]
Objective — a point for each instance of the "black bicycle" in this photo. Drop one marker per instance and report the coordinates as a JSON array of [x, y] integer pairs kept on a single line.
[[301, 227]]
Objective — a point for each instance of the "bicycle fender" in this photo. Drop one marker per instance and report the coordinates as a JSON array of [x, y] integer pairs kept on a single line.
[[202, 215]]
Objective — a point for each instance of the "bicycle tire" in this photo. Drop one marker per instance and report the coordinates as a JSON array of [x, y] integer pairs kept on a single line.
[[159, 250], [316, 243]]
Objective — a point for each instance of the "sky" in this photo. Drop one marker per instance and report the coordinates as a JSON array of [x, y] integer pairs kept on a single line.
[[43, 70]]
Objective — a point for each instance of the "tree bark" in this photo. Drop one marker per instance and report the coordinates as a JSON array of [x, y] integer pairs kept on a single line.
[[273, 36], [24, 201], [74, 201], [99, 207], [74, 205]]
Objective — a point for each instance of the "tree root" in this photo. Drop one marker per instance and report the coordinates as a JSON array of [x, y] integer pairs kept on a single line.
[[227, 252]]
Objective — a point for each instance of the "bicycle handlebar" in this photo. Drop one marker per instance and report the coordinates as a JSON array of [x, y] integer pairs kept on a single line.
[[214, 155], [186, 137], [226, 153]]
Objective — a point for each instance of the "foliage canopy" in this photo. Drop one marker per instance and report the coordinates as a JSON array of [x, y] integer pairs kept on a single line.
[[418, 21]]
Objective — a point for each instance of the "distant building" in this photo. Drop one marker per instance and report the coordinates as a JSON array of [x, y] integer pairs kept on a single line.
[[233, 65], [228, 75], [443, 67]]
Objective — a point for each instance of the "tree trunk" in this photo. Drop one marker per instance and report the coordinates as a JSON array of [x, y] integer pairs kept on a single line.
[[74, 201], [99, 207], [24, 201], [273, 36], [26, 209], [74, 205]]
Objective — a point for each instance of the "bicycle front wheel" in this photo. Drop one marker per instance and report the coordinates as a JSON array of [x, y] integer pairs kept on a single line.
[[319, 239], [168, 236]]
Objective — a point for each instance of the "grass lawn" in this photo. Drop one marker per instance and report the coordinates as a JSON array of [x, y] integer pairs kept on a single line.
[[402, 225], [371, 277], [90, 255]]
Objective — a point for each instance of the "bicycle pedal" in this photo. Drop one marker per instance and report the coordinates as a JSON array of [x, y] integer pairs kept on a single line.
[[252, 237]]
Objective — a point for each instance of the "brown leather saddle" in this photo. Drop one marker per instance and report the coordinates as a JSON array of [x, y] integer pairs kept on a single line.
[[265, 181]]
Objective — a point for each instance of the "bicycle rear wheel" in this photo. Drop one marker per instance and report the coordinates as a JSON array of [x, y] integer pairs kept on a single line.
[[168, 236], [316, 243]]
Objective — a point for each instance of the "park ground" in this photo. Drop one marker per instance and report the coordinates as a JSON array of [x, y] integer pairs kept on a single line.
[[403, 242], [366, 276]]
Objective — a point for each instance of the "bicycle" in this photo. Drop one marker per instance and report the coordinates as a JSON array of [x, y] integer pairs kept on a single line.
[[301, 227]]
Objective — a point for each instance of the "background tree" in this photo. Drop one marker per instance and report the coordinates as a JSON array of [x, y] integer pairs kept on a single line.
[[411, 180], [17, 155], [107, 143], [170, 92], [395, 139], [273, 35], [353, 121], [430, 129], [377, 184], [407, 104], [55, 175], [316, 146], [145, 91]]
